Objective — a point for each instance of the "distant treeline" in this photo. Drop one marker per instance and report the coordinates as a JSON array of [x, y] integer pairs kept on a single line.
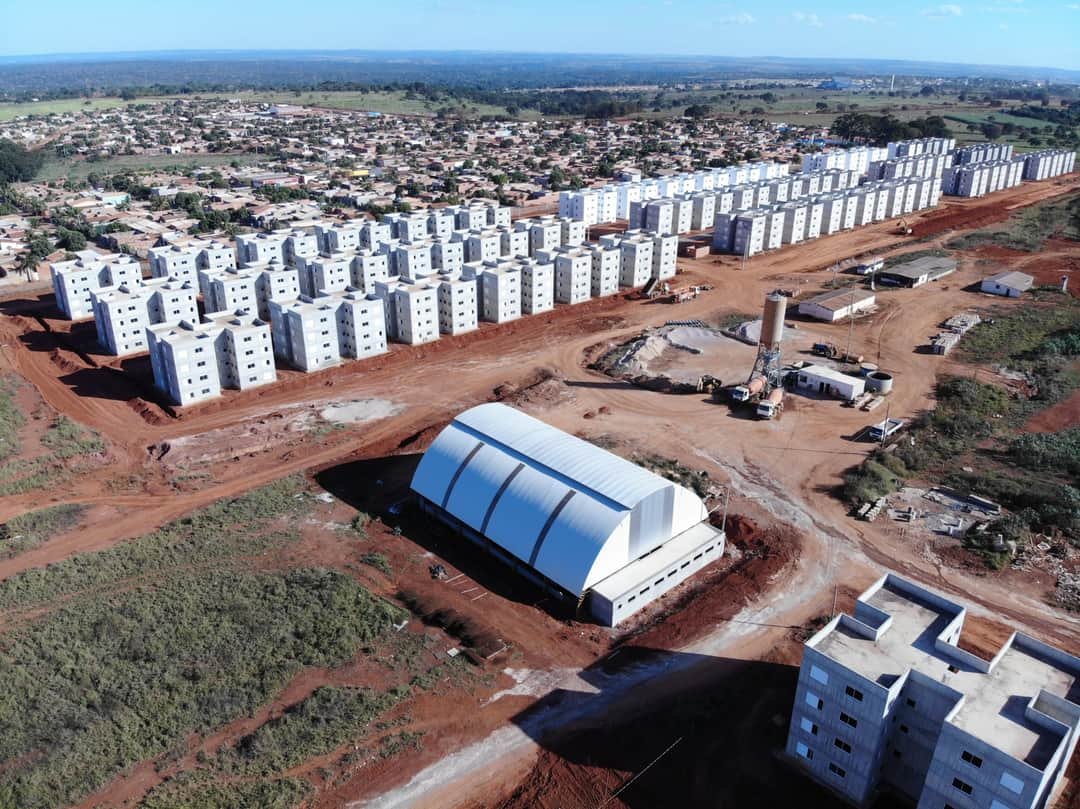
[[18, 163], [881, 129]]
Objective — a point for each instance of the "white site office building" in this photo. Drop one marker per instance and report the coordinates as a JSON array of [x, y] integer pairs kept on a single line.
[[585, 524], [888, 702]]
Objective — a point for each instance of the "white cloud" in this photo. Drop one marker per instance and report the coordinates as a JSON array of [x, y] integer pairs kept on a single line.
[[866, 18], [738, 19], [943, 12], [813, 20]]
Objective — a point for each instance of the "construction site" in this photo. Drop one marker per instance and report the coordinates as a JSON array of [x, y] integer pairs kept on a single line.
[[520, 699]]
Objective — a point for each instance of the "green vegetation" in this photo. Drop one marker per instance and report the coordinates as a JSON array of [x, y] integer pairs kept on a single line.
[[239, 526], [35, 527], [324, 721], [11, 418], [17, 163], [1028, 228], [192, 791], [112, 680], [75, 169], [378, 561], [674, 471], [66, 441], [1034, 476], [880, 129], [1059, 452]]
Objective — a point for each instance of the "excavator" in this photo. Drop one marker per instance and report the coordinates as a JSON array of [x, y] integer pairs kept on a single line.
[[903, 228]]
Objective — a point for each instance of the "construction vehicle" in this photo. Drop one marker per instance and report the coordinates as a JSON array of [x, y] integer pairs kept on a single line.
[[750, 392], [833, 352], [683, 294], [772, 405], [885, 429], [903, 228], [709, 384], [649, 288]]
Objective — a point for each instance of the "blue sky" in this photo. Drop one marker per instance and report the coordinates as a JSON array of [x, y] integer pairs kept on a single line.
[[1015, 32]]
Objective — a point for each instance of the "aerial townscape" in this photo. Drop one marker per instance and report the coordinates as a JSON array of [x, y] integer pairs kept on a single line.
[[451, 408]]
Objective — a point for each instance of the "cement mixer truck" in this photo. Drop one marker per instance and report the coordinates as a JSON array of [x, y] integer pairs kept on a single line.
[[772, 405], [750, 392]]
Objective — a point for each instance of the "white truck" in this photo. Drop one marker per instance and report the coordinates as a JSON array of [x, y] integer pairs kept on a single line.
[[885, 429]]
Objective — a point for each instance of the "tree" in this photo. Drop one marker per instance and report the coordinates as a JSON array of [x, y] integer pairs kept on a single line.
[[927, 91], [71, 240], [17, 163], [698, 111], [821, 106]]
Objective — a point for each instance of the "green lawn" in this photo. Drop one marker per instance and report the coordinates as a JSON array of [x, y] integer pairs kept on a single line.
[[59, 106]]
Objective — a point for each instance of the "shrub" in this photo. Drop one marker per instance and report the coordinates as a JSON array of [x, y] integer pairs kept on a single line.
[[378, 561], [35, 527]]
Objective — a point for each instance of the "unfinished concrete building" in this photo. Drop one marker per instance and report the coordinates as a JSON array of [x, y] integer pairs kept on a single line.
[[888, 701], [73, 281], [498, 289], [537, 287], [457, 303]]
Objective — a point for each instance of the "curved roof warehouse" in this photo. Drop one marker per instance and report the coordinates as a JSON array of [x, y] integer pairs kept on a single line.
[[563, 508]]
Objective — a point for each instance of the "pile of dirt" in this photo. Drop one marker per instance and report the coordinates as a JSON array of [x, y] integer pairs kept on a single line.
[[542, 389], [62, 361]]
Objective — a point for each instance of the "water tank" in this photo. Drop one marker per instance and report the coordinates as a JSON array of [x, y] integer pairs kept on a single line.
[[772, 320], [867, 368], [879, 382]]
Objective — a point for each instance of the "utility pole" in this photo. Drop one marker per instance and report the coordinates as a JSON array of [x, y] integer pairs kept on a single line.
[[851, 320]]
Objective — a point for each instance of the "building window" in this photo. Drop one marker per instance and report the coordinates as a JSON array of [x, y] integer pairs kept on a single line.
[[849, 720], [854, 693], [840, 771], [963, 786], [819, 675], [838, 742], [1012, 783], [808, 726], [910, 702], [804, 751], [970, 758], [903, 728], [814, 701]]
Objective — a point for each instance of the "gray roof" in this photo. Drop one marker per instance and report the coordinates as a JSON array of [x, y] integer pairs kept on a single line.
[[1011, 278]]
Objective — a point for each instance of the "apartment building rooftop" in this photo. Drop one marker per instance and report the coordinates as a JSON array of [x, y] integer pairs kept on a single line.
[[995, 699]]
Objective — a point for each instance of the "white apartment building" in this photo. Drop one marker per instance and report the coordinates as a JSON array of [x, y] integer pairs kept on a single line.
[[175, 261], [245, 351], [1048, 163], [414, 308], [171, 300], [545, 233], [665, 256], [411, 260], [515, 243], [121, 315], [305, 332], [441, 223], [325, 273], [345, 237], [483, 246], [573, 232], [275, 284], [215, 255], [368, 267], [232, 291], [447, 254], [573, 273], [300, 244], [703, 214], [498, 290], [74, 281], [888, 703], [458, 307], [259, 248], [537, 287], [184, 359], [635, 257], [606, 263], [361, 323], [794, 230], [658, 216]]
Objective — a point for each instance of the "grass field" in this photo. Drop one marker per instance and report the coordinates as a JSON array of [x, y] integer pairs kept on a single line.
[[76, 169]]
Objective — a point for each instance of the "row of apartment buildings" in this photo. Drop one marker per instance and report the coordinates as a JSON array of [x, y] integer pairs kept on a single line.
[[612, 202], [698, 210], [750, 232]]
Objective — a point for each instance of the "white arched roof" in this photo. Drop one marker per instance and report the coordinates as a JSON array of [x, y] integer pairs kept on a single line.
[[574, 512]]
